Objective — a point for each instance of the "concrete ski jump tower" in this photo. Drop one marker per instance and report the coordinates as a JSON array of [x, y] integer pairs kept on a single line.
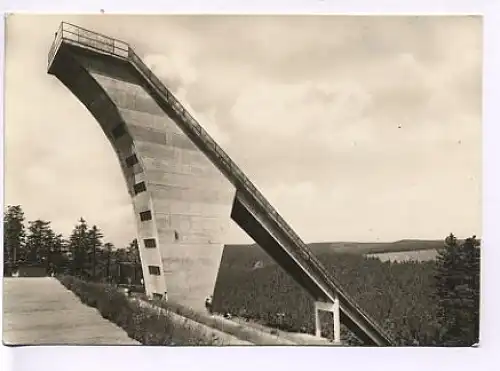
[[184, 187]]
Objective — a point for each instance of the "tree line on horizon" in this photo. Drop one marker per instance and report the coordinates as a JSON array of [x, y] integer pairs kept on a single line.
[[83, 254]]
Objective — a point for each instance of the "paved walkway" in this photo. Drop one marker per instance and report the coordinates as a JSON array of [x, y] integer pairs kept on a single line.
[[41, 311]]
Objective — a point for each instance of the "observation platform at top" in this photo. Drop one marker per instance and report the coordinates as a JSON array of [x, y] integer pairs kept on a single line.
[[70, 34], [316, 280]]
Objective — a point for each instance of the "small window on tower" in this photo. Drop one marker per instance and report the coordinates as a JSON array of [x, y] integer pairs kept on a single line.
[[118, 131], [150, 242], [176, 235], [131, 160], [139, 187], [154, 270], [145, 215]]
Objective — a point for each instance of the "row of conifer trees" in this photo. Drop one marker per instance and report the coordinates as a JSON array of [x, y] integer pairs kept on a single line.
[[83, 253]]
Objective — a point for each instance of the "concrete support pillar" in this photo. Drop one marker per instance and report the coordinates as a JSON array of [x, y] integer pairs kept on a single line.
[[317, 320], [336, 320], [333, 308]]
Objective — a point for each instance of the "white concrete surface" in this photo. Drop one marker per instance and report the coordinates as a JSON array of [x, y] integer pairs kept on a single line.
[[190, 200], [41, 311]]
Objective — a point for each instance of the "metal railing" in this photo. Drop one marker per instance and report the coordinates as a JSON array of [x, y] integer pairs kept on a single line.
[[89, 39], [104, 44], [55, 44]]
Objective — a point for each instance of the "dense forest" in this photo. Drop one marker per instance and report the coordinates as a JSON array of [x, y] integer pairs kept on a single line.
[[429, 303], [83, 254]]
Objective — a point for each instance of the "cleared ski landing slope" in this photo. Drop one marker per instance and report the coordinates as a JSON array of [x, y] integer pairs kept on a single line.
[[41, 311]]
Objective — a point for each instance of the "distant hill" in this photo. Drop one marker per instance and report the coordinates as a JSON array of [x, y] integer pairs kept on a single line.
[[407, 249], [362, 248], [376, 247]]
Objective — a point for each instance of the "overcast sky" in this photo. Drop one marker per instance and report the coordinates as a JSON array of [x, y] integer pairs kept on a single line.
[[354, 128]]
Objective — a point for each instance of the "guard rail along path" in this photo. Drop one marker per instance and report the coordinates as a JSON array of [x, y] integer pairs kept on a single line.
[[98, 43]]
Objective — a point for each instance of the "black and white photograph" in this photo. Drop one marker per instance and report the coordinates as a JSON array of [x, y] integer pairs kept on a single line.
[[239, 180]]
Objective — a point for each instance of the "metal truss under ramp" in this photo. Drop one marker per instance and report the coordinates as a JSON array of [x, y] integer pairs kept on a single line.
[[251, 211]]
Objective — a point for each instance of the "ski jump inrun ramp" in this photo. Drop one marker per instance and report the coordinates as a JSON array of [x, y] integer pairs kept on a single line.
[[184, 187]]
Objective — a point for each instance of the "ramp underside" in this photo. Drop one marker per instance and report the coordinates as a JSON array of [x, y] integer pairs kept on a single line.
[[244, 215], [186, 183], [250, 223]]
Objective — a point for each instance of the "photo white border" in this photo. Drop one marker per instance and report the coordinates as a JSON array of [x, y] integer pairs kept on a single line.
[[262, 358]]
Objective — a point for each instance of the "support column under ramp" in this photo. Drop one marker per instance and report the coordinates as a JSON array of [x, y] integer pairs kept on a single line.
[[334, 309]]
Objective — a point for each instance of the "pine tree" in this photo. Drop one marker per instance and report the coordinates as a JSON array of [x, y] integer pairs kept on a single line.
[[48, 250], [57, 256], [78, 246], [108, 253], [134, 257], [94, 236], [457, 291], [39, 242], [14, 235]]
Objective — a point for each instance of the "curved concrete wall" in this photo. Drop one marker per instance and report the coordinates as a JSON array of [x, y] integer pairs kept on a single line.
[[182, 203]]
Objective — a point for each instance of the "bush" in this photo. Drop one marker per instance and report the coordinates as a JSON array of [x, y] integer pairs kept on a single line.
[[146, 325], [234, 329]]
